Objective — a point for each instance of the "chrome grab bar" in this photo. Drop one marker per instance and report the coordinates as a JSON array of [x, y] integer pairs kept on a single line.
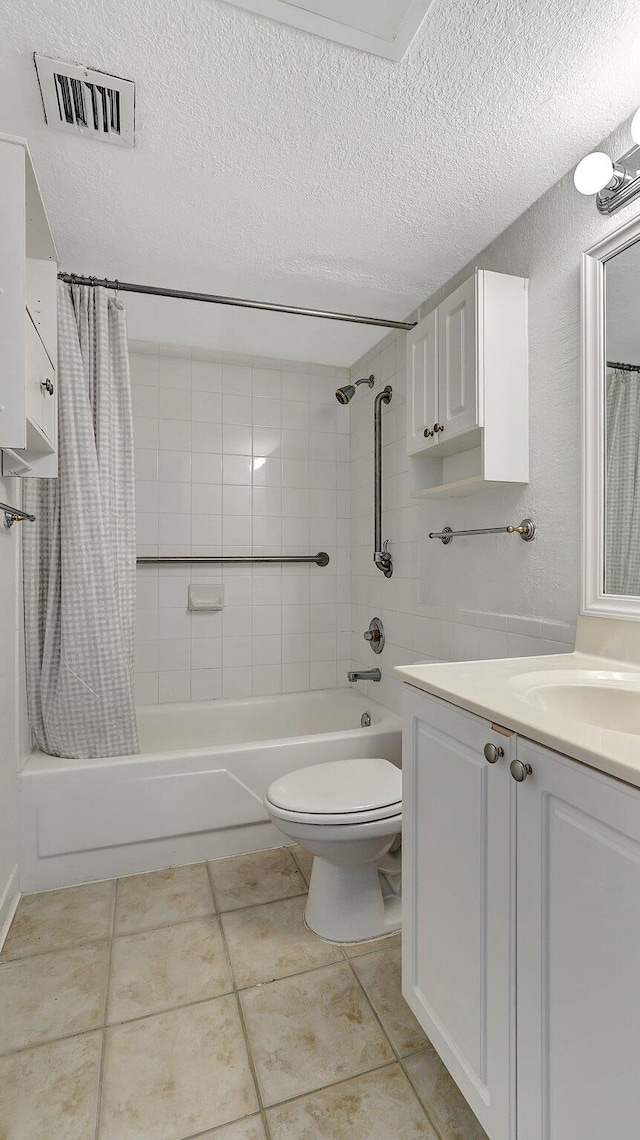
[[14, 514], [320, 559], [381, 555], [526, 530]]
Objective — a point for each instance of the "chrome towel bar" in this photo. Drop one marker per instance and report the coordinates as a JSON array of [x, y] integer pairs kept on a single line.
[[320, 559], [526, 530], [14, 514]]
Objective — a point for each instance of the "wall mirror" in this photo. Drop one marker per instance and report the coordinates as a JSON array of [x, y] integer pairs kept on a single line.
[[611, 419]]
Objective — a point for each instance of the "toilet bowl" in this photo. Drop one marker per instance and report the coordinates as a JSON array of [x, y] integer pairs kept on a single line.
[[347, 813]]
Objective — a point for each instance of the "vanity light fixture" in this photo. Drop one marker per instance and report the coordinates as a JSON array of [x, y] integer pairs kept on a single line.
[[614, 184]]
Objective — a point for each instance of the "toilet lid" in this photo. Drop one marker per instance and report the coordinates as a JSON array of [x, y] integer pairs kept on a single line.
[[339, 787]]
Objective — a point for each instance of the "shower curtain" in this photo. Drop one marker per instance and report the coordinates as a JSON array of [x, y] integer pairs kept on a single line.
[[622, 513], [79, 555]]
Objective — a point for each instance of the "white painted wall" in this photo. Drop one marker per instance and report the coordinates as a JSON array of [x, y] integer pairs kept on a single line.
[[12, 729], [240, 455], [489, 596]]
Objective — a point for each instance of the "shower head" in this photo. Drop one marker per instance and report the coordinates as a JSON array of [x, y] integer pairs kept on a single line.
[[344, 395]]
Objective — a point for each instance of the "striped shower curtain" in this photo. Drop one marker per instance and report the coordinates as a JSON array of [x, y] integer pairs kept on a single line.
[[622, 490], [79, 555]]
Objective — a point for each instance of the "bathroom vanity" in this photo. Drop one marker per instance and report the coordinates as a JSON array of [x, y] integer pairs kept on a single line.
[[521, 884]]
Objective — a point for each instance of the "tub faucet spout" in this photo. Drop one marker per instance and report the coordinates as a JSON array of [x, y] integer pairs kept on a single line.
[[364, 675]]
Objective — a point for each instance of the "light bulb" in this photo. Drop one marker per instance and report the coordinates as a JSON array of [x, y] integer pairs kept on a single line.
[[593, 173], [635, 127]]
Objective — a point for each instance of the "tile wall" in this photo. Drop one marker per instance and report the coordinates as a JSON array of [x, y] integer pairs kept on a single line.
[[416, 628], [240, 455]]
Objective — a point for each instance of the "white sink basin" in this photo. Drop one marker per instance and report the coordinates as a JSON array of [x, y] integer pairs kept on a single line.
[[604, 699]]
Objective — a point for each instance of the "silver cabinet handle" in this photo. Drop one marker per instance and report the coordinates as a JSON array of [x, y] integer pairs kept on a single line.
[[438, 427], [493, 753], [427, 433], [47, 386], [520, 771]]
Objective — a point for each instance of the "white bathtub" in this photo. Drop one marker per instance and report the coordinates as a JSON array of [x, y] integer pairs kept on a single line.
[[194, 792]]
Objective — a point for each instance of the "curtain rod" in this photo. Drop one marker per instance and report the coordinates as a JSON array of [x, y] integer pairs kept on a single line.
[[238, 302], [618, 366]]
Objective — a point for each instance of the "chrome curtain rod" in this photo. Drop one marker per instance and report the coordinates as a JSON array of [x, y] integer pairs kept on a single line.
[[320, 559], [526, 530], [619, 367], [237, 302]]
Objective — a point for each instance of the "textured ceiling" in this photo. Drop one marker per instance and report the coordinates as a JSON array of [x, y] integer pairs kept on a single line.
[[275, 164]]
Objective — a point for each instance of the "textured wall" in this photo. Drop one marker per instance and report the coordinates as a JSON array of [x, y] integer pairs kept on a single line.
[[236, 455], [434, 600]]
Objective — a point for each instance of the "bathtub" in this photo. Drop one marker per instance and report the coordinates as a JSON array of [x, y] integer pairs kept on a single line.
[[195, 790]]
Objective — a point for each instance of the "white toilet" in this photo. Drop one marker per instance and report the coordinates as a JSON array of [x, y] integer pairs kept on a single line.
[[347, 813]]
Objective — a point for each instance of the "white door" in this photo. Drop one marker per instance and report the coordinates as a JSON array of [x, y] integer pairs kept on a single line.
[[422, 382], [457, 932], [578, 952], [458, 376]]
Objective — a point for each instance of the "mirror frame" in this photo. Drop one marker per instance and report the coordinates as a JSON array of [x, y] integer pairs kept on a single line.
[[592, 302]]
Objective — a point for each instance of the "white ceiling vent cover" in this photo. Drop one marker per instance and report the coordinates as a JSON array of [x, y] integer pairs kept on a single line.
[[90, 103]]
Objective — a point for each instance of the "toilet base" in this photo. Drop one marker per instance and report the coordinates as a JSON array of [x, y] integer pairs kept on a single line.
[[346, 904]]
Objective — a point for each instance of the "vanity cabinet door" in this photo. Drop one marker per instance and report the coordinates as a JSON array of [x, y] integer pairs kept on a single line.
[[457, 900], [422, 384], [458, 386], [578, 1004]]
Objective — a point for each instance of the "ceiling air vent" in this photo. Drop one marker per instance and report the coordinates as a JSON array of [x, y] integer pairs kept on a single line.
[[89, 103]]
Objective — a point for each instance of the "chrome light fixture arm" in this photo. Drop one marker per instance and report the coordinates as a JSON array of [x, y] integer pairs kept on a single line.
[[615, 184]]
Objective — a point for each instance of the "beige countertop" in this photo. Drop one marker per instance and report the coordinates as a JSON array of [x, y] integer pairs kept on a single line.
[[500, 691]]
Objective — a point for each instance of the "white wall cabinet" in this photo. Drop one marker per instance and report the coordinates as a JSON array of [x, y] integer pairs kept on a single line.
[[28, 320], [521, 927], [467, 397]]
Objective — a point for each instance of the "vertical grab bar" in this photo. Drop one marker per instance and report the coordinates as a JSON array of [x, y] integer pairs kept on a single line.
[[381, 555]]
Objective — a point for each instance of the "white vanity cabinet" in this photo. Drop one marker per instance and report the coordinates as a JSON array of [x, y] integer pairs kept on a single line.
[[578, 951], [467, 389], [457, 890], [28, 320], [521, 927]]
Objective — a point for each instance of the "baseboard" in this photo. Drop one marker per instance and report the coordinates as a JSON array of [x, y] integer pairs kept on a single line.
[[8, 904]]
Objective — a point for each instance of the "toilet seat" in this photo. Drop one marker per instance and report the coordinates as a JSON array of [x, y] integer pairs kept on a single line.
[[338, 792]]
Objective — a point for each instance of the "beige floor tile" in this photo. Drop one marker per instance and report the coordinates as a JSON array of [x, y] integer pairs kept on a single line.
[[161, 897], [442, 1098], [159, 969], [304, 859], [356, 949], [52, 995], [251, 1128], [377, 1106], [260, 877], [380, 974], [272, 941], [55, 919], [310, 1030], [51, 1092], [176, 1074]]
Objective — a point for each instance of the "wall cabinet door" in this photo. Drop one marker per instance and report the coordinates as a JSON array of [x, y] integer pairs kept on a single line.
[[458, 377], [578, 946], [422, 383], [457, 900], [40, 380]]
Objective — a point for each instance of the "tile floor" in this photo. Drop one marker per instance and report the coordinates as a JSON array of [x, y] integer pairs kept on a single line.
[[193, 1002]]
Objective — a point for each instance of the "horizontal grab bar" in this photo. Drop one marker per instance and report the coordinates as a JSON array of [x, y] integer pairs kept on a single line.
[[526, 530], [14, 514], [320, 559]]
